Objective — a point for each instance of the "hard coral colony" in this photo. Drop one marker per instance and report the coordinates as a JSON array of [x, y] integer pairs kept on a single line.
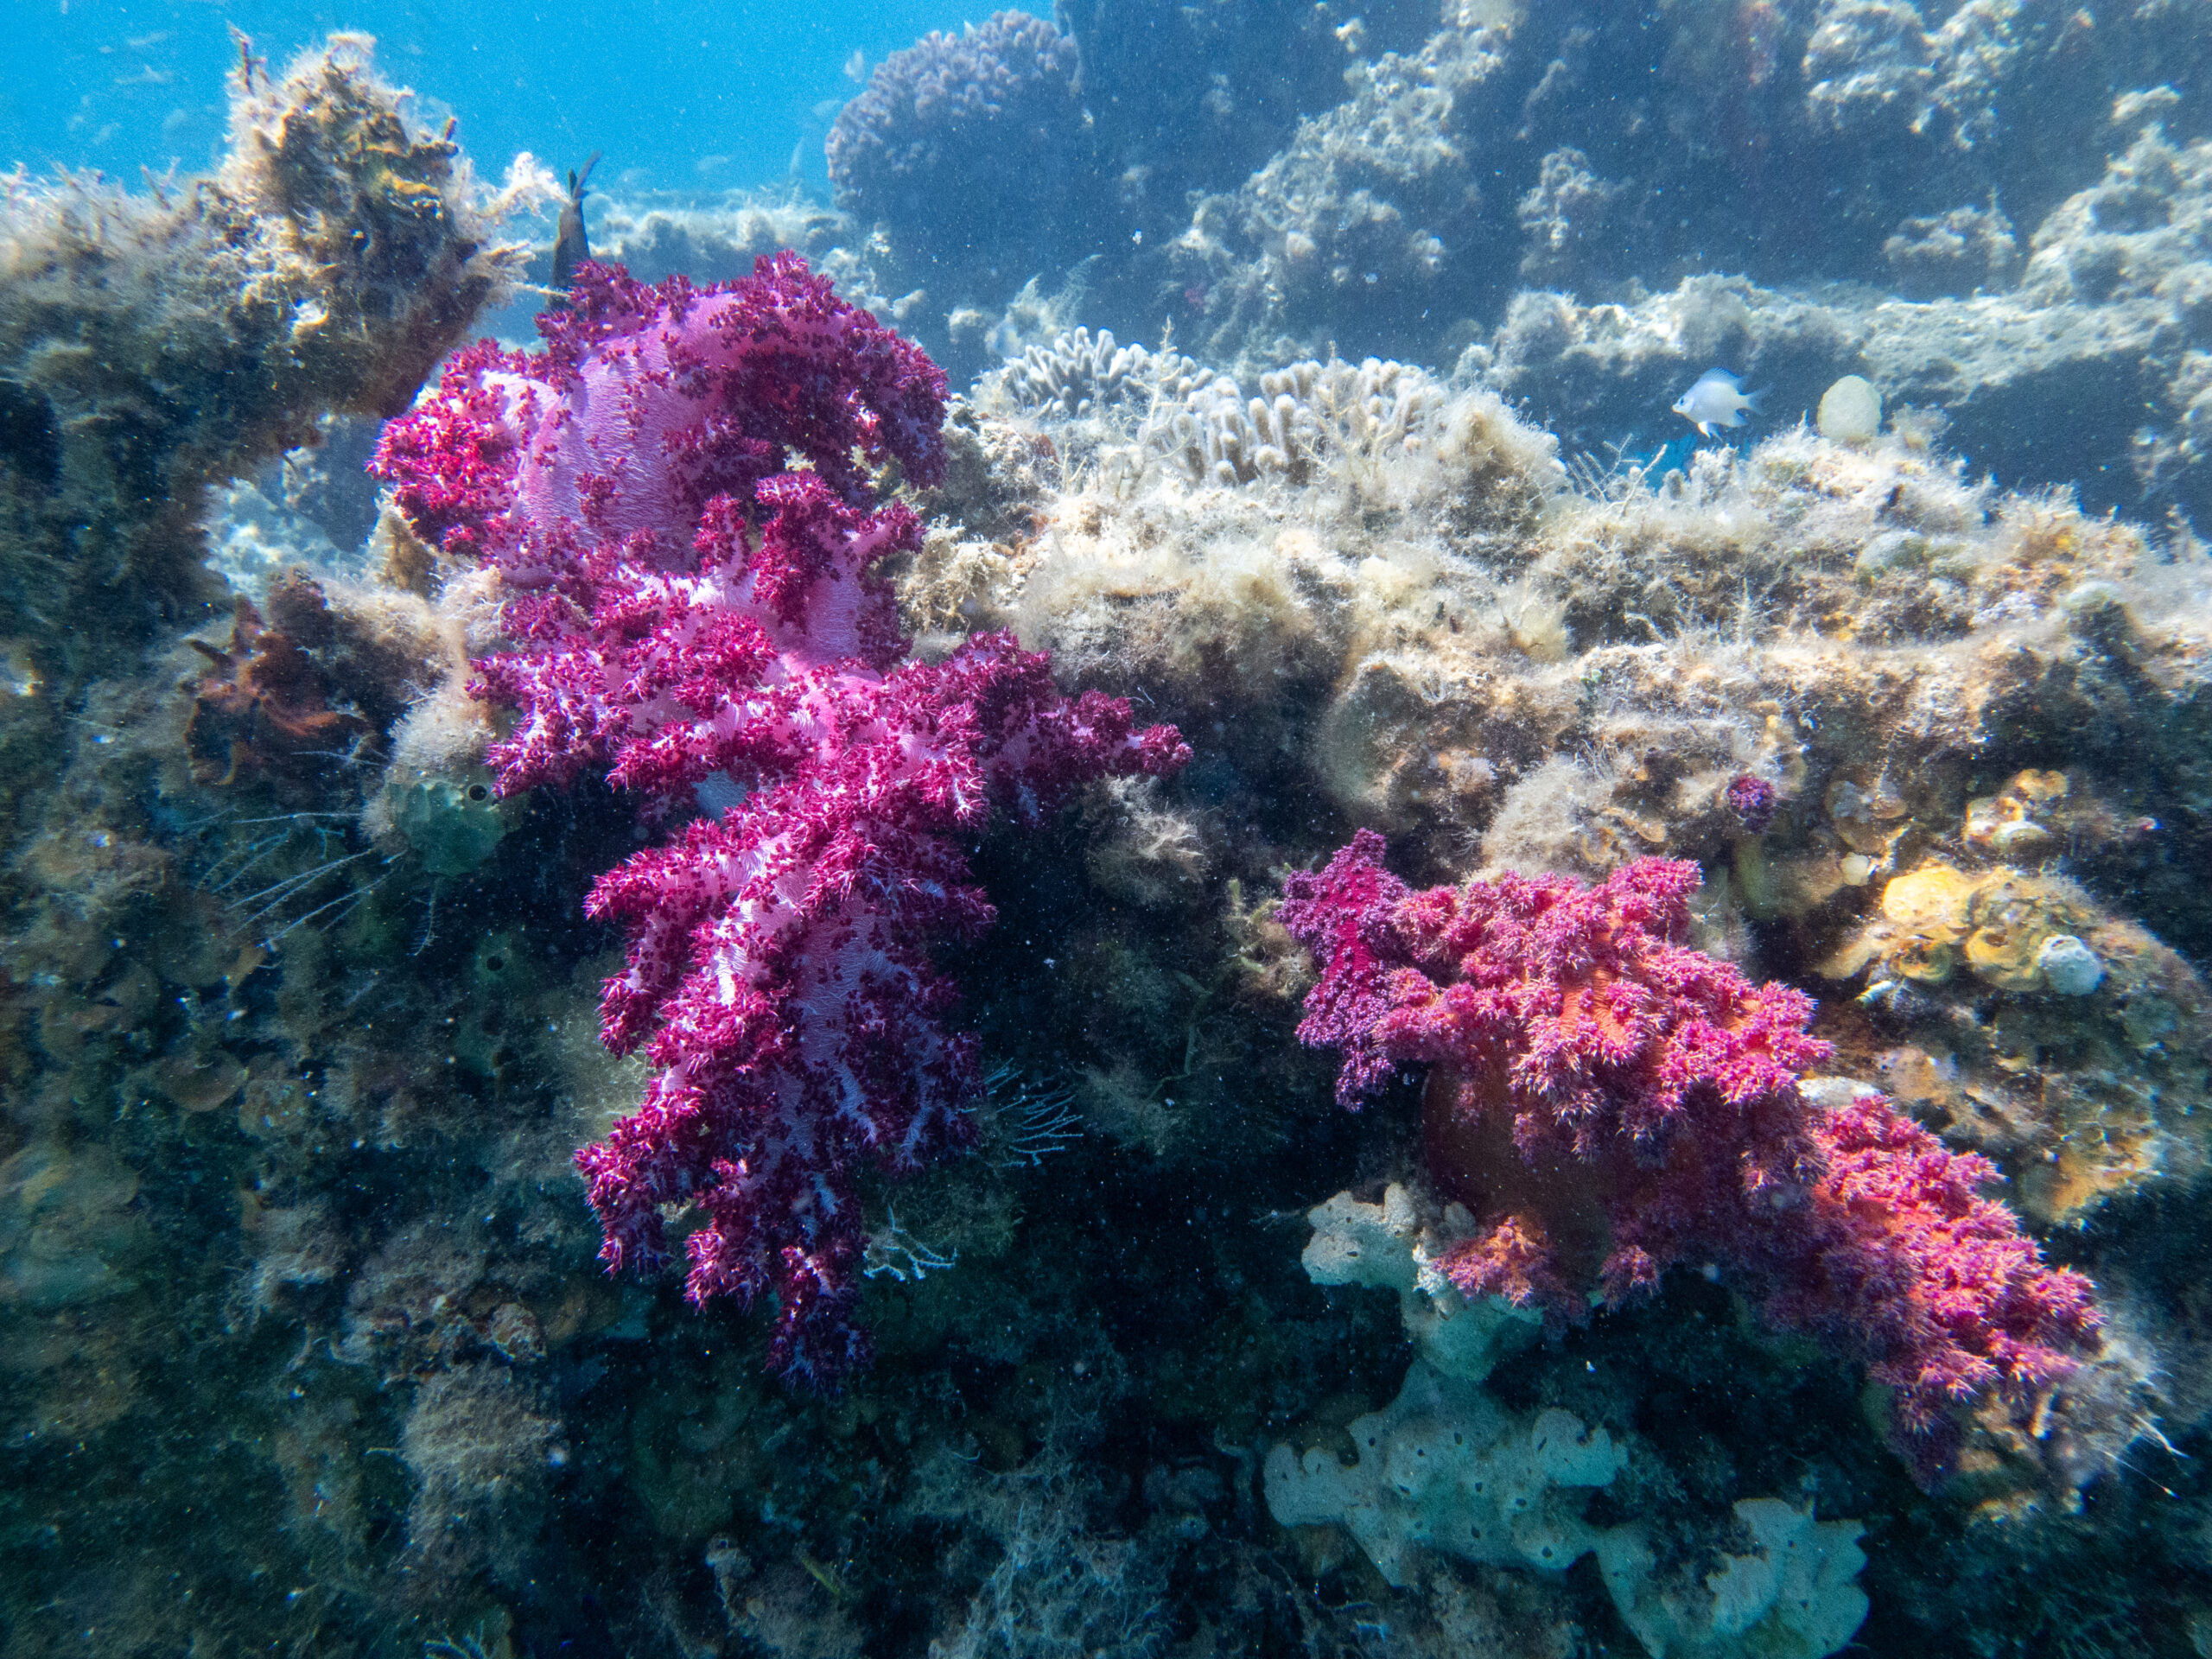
[[1610, 1103], [694, 612]]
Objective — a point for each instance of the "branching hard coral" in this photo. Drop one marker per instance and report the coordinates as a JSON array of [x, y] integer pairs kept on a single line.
[[1268, 553], [150, 346], [1312, 421], [1610, 1104], [1078, 374], [695, 614]]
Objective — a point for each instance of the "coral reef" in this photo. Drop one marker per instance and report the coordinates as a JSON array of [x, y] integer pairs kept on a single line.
[[1557, 140], [950, 115], [1452, 644], [1308, 415], [1370, 201], [303, 1340], [1444, 1468], [233, 1024], [982, 165], [1807, 666], [709, 242], [695, 615], [1522, 180]]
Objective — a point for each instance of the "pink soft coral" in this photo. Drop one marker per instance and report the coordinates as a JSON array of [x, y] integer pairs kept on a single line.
[[1610, 1103], [694, 613]]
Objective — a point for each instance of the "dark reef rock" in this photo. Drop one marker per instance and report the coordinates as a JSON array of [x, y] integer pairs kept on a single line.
[[2090, 372]]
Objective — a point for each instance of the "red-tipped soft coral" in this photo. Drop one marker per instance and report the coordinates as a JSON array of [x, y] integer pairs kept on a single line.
[[695, 615], [1609, 1102]]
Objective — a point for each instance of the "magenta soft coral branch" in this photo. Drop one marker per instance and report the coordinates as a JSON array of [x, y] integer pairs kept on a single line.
[[1609, 1103], [676, 492]]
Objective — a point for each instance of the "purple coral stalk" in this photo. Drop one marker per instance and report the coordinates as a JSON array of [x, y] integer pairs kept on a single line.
[[688, 604]]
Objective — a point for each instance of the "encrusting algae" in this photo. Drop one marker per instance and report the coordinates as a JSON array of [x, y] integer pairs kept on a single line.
[[2067, 1042]]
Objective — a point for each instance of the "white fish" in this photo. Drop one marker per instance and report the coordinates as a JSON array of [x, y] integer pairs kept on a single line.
[[1717, 399], [856, 66]]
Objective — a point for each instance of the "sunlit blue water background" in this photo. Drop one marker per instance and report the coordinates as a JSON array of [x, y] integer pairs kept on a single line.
[[679, 94]]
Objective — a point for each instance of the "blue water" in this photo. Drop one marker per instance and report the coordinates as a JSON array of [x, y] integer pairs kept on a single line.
[[678, 93]]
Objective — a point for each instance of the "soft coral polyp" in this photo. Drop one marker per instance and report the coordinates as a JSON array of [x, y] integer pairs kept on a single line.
[[679, 494], [1609, 1103]]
